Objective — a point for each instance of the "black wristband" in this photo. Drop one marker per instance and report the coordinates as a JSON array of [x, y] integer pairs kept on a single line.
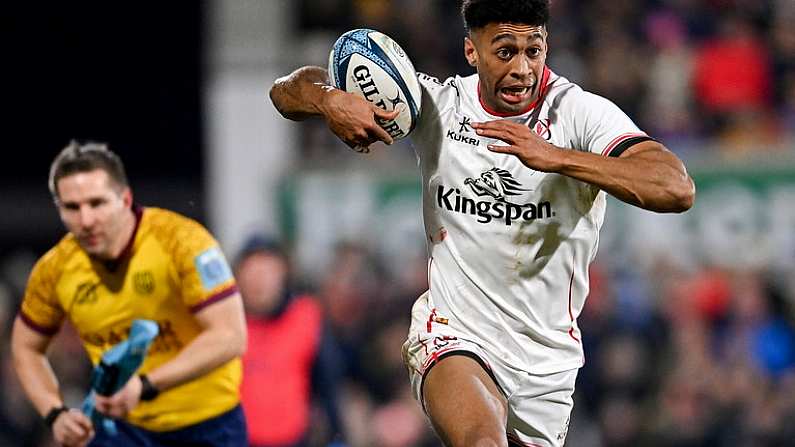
[[148, 391], [53, 414]]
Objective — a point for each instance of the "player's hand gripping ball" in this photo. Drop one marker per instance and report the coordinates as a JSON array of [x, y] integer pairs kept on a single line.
[[370, 64]]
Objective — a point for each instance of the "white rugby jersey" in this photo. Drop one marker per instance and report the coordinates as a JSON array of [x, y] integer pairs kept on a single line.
[[510, 246]]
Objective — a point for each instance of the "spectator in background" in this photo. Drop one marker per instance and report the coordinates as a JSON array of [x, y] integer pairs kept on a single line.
[[291, 357], [733, 70], [755, 336], [782, 37], [16, 419], [668, 103], [787, 109], [782, 40], [616, 58], [365, 307], [733, 85]]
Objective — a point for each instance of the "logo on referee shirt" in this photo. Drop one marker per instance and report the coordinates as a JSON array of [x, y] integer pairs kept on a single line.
[[144, 282], [212, 268], [498, 185], [86, 293]]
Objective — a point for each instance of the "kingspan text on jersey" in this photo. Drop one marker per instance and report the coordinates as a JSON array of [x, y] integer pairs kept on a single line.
[[486, 210]]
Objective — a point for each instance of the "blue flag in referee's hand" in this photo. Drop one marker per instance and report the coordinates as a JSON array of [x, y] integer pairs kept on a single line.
[[116, 367]]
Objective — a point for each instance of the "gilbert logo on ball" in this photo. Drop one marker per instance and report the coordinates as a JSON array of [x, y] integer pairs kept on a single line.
[[372, 65]]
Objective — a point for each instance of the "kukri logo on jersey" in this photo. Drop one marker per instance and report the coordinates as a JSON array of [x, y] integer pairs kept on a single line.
[[464, 127], [494, 187]]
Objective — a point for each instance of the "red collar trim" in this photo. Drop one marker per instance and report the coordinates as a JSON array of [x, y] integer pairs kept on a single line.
[[138, 210], [541, 93]]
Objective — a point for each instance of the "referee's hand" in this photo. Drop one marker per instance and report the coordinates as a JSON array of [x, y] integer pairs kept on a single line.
[[72, 429], [120, 404]]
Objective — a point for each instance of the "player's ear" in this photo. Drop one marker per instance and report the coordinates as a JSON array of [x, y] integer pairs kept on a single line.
[[127, 197], [470, 52]]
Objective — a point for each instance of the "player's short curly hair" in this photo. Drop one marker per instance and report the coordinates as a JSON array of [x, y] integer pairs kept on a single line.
[[479, 13], [76, 158]]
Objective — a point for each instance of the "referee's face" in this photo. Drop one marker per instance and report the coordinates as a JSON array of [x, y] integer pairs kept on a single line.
[[96, 211], [510, 60]]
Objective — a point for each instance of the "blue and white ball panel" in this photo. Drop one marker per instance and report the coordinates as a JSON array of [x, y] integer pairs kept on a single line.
[[373, 66], [400, 63]]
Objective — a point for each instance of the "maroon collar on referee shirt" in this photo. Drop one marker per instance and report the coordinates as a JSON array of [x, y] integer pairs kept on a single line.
[[113, 264]]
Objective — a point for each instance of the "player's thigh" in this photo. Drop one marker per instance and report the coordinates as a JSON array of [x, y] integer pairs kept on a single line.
[[463, 402]]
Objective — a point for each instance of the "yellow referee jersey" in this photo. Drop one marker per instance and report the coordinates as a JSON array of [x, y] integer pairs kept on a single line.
[[172, 268]]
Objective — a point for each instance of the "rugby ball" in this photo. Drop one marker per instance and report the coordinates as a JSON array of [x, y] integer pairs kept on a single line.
[[372, 65]]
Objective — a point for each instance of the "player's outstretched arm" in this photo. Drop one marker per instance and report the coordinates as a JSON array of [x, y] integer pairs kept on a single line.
[[306, 92], [223, 337], [646, 175], [28, 348], [298, 95]]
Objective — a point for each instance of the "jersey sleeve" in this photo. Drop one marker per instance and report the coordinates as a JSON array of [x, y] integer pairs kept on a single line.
[[40, 308], [602, 128], [437, 96], [202, 268]]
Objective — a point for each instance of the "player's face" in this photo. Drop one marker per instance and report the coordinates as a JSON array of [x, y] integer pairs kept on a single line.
[[261, 278], [510, 60], [96, 211]]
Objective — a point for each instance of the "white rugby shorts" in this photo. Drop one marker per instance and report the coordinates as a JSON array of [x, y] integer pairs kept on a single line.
[[539, 406]]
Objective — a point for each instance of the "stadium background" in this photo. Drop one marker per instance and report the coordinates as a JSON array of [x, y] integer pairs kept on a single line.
[[689, 327]]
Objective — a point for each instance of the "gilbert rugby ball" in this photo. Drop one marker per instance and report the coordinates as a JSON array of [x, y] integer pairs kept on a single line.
[[372, 65]]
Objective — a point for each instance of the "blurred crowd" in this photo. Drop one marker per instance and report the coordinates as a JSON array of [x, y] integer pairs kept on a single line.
[[675, 357], [701, 75]]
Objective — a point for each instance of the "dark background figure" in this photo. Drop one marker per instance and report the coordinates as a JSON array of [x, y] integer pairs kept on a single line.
[[292, 361]]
